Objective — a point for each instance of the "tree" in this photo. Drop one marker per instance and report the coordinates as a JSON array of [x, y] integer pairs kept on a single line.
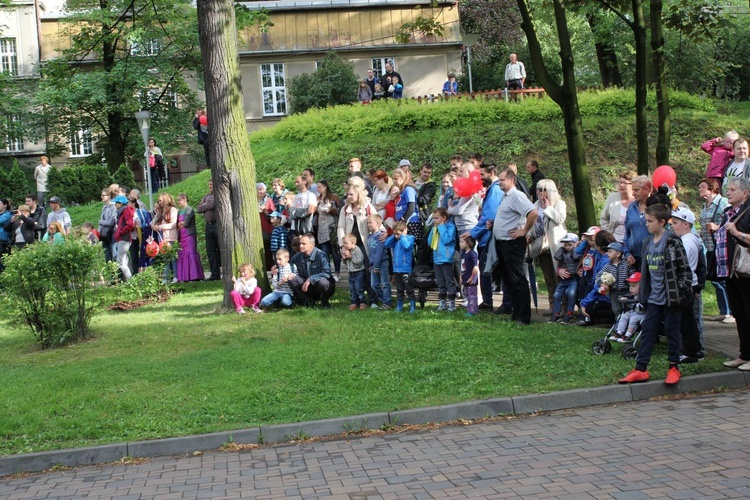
[[662, 92], [606, 55], [124, 55], [334, 82], [232, 163], [16, 187], [566, 97]]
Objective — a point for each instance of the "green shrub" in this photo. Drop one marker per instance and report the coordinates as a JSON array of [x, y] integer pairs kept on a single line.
[[50, 289], [144, 285], [78, 184], [333, 83], [124, 177], [15, 185]]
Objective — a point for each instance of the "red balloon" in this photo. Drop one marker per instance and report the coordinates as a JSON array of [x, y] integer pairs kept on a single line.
[[203, 120], [664, 175], [475, 176], [152, 248], [164, 247], [466, 187]]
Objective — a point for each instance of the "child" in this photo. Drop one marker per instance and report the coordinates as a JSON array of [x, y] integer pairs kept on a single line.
[[379, 92], [54, 234], [364, 94], [279, 235], [593, 304], [89, 233], [380, 278], [282, 291], [354, 262], [442, 240], [632, 314], [396, 90], [721, 153], [246, 291], [470, 275], [390, 208], [567, 267], [403, 256], [692, 317], [665, 289], [589, 256], [617, 267]]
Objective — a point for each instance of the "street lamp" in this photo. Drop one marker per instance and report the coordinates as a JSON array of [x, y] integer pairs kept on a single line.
[[144, 122], [469, 40]]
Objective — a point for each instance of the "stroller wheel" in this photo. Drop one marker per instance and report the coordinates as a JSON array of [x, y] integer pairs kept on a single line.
[[601, 347], [630, 353]]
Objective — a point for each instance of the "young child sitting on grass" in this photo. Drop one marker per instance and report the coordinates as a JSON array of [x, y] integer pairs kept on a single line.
[[442, 240], [282, 292], [403, 258], [354, 262], [567, 266], [632, 314], [246, 292]]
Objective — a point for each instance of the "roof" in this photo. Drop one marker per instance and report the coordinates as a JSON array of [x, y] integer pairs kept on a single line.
[[335, 4]]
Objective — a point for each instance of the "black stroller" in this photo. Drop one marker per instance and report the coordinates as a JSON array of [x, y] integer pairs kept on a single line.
[[423, 277]]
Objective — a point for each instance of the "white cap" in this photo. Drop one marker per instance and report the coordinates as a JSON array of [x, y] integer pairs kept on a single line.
[[404, 163], [685, 214], [569, 238]]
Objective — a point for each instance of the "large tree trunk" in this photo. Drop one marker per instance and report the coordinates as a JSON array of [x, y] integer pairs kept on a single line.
[[606, 55], [641, 80], [662, 95], [566, 97], [232, 163]]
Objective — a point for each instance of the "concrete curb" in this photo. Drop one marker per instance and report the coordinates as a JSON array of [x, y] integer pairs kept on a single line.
[[577, 398]]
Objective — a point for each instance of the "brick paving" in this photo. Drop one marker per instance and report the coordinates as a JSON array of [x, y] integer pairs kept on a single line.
[[680, 448]]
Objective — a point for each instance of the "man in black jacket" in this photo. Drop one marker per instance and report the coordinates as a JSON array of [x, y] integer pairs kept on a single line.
[[202, 132], [385, 80], [532, 168], [313, 280], [426, 193], [39, 214]]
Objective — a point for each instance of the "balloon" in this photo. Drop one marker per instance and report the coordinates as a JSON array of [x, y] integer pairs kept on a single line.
[[152, 248], [466, 187], [164, 247], [475, 176], [203, 120], [664, 175]]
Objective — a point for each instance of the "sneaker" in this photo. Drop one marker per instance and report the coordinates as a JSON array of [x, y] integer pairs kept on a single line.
[[373, 305], [729, 320], [686, 359], [615, 337], [257, 310], [174, 280], [586, 321], [555, 318], [469, 315], [353, 307], [363, 307], [240, 311], [634, 377], [624, 339], [673, 376], [384, 307], [567, 319], [735, 363], [336, 278]]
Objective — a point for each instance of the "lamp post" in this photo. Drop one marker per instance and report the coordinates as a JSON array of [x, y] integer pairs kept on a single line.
[[144, 122], [469, 40]]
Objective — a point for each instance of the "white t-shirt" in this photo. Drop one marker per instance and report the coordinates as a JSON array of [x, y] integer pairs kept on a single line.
[[733, 170], [303, 200], [40, 174], [619, 233]]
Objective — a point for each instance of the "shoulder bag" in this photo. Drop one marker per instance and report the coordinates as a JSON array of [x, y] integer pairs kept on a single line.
[[741, 258]]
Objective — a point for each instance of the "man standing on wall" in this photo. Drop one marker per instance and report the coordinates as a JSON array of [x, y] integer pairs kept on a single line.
[[515, 74], [532, 168]]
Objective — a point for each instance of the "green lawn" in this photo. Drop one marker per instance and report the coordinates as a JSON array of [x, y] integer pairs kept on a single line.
[[181, 367]]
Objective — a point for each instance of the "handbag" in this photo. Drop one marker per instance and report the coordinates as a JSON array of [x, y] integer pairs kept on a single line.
[[152, 161], [741, 258]]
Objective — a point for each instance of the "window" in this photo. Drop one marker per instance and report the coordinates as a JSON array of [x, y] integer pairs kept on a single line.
[[14, 139], [378, 65], [148, 48], [81, 143], [8, 56], [273, 85]]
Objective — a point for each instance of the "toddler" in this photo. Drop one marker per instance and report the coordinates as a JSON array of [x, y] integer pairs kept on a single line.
[[721, 152], [89, 233], [617, 267], [567, 267], [354, 262], [379, 92], [396, 90], [282, 291], [380, 278], [403, 257], [470, 274], [442, 240], [246, 291], [632, 314]]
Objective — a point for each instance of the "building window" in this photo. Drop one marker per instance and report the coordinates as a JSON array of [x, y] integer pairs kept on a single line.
[[273, 85], [148, 48], [8, 56], [378, 65], [81, 143], [14, 139]]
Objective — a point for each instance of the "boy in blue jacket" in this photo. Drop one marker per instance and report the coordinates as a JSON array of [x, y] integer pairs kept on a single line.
[[403, 257], [442, 240], [380, 279]]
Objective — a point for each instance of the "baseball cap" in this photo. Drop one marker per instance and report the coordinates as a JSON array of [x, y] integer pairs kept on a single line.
[[592, 231], [616, 245], [275, 214], [404, 163], [634, 278], [684, 213], [569, 238], [54, 199], [121, 199]]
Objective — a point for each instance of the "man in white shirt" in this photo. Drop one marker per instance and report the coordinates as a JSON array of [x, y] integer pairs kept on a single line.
[[515, 74], [40, 175], [304, 206]]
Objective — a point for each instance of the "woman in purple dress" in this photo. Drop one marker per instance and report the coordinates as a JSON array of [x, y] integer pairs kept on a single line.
[[189, 266]]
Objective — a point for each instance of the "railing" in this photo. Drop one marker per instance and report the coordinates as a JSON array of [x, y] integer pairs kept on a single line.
[[504, 94]]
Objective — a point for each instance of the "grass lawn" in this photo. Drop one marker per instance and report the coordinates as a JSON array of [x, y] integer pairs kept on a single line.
[[180, 368]]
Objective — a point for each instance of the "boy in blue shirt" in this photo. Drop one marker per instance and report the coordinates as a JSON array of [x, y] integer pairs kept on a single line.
[[380, 279], [279, 235], [442, 240], [403, 258]]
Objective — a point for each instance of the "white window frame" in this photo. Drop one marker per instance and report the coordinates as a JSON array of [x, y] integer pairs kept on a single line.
[[81, 142], [149, 48], [8, 56], [277, 92], [13, 143], [377, 64]]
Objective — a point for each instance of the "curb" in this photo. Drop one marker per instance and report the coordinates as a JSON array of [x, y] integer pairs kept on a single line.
[[275, 434]]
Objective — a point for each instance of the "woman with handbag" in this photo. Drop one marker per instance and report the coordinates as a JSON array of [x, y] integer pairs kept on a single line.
[[544, 241], [107, 222], [711, 216], [733, 263], [328, 210], [155, 164]]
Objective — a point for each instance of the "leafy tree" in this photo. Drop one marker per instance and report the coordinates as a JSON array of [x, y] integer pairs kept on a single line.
[[124, 177], [334, 82], [16, 186]]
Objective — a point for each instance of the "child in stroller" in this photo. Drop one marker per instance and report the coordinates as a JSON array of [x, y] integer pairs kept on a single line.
[[632, 315]]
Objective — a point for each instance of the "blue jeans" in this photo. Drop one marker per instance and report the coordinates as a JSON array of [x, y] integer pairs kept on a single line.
[[566, 288], [381, 283], [357, 287], [650, 327], [328, 249], [273, 297], [721, 297]]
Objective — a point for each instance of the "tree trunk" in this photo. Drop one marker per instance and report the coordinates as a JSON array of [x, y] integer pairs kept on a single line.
[[115, 150], [606, 55], [662, 94], [641, 76], [566, 97], [232, 163]]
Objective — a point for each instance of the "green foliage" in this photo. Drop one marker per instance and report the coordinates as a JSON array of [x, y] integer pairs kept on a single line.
[[49, 289], [424, 26], [78, 184], [16, 186], [334, 82], [124, 177], [144, 285]]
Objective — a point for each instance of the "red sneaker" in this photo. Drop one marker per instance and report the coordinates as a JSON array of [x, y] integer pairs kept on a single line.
[[673, 376], [635, 376]]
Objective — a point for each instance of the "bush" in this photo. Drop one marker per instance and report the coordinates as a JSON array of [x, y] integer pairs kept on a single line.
[[144, 285], [16, 186], [124, 177], [334, 82], [78, 184], [49, 288]]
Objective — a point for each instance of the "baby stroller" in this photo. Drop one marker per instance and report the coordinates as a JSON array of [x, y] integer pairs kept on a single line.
[[423, 277], [604, 346]]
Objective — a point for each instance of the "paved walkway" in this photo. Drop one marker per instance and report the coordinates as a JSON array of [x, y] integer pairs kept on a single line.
[[684, 448]]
